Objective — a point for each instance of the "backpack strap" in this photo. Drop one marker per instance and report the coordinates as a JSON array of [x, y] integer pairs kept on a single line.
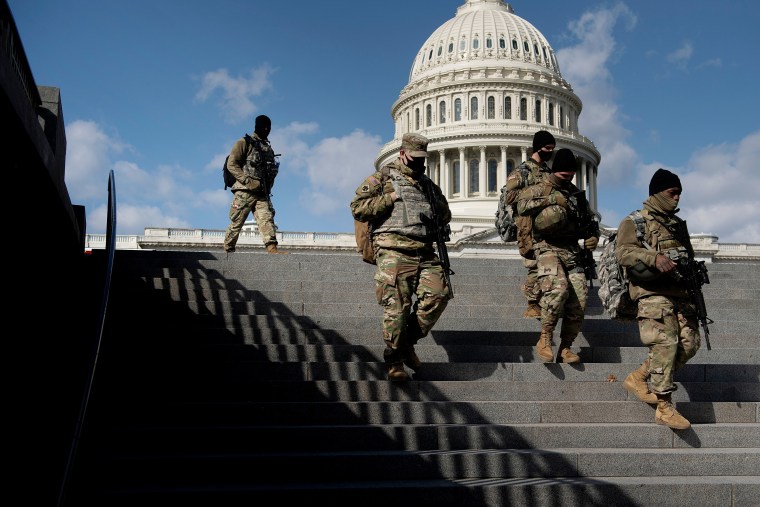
[[638, 220]]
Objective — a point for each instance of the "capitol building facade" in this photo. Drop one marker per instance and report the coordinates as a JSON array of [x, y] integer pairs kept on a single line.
[[479, 88]]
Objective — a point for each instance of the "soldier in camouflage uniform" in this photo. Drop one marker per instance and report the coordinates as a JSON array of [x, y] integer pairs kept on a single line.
[[667, 318], [530, 172], [394, 200], [558, 237], [252, 186]]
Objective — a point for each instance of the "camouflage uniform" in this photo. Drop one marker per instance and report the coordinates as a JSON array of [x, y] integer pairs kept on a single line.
[[407, 266], [667, 318], [528, 173], [251, 194], [561, 279]]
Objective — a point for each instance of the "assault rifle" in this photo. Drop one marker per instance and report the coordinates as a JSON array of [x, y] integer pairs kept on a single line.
[[442, 235], [694, 274], [588, 226]]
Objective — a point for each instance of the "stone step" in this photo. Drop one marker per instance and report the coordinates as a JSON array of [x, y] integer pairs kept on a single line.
[[227, 470], [671, 491], [445, 412], [226, 439]]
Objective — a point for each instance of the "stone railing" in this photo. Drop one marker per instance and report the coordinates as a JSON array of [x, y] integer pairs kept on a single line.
[[466, 243]]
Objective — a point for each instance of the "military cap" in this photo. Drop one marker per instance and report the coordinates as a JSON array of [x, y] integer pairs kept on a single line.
[[414, 145]]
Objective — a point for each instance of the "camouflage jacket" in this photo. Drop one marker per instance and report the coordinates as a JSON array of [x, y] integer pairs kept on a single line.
[[372, 203], [659, 237], [240, 152], [528, 173]]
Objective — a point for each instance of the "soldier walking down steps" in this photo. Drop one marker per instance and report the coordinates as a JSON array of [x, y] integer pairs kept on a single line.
[[667, 316], [401, 203], [563, 230]]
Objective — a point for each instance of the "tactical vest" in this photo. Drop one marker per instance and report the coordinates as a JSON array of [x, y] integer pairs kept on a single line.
[[405, 217], [260, 162], [662, 237]]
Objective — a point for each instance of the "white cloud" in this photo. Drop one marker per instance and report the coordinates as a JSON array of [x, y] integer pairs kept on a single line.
[[335, 167], [681, 56], [236, 101], [720, 191], [88, 159], [132, 220], [586, 65]]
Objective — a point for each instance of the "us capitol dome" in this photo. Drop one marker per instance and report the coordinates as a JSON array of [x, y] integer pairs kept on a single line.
[[479, 88]]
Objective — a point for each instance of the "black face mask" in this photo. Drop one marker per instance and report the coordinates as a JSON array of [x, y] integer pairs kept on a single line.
[[416, 164], [545, 156]]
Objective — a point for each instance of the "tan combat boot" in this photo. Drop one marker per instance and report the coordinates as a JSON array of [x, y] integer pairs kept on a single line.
[[272, 248], [533, 311], [544, 347], [636, 384], [667, 414], [412, 361], [564, 354], [397, 373]]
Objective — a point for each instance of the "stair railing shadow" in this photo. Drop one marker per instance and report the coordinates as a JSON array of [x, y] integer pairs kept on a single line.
[[181, 338]]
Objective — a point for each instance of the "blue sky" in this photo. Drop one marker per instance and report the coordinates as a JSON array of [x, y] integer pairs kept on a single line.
[[159, 90]]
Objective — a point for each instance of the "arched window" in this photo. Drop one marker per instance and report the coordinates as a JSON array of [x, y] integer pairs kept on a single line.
[[492, 166], [462, 45], [474, 175], [508, 108], [440, 50], [457, 109], [526, 48], [475, 43], [514, 44], [428, 115], [442, 112], [489, 43], [535, 51], [502, 43], [416, 119], [451, 47], [561, 117], [551, 113], [491, 108], [430, 56], [510, 166], [546, 58], [474, 108], [524, 109], [455, 177], [538, 111]]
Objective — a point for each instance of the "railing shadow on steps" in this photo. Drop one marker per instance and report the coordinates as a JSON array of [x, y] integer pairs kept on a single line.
[[171, 351]]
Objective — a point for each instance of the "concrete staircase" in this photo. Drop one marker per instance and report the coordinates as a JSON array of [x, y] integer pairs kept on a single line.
[[254, 378]]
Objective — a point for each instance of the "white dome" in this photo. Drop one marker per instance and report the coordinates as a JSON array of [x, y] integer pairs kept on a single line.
[[479, 88], [483, 33]]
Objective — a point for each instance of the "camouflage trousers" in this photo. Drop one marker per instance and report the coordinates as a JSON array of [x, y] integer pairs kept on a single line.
[[243, 203], [400, 277], [563, 292], [669, 327], [530, 289]]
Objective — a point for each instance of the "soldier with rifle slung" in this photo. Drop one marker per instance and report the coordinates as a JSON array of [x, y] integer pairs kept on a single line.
[[665, 280], [408, 213], [564, 230]]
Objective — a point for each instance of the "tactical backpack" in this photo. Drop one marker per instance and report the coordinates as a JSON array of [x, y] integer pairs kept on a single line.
[[363, 230], [505, 218], [613, 278], [227, 176]]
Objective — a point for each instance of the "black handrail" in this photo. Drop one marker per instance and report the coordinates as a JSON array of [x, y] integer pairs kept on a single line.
[[100, 323]]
